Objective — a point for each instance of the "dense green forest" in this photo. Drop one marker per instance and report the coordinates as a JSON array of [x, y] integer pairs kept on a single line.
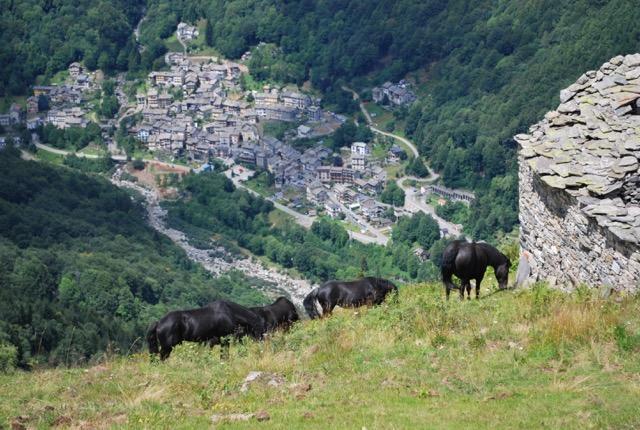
[[211, 204], [40, 38], [80, 270], [487, 69]]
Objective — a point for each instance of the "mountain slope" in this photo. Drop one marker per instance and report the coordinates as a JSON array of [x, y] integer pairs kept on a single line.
[[81, 272], [41, 38], [524, 359], [485, 70]]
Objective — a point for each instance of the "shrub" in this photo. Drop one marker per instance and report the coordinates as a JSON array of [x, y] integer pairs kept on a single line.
[[138, 164], [8, 357]]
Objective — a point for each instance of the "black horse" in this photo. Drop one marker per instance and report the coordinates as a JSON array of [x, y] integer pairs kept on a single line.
[[209, 324], [281, 314], [365, 291], [469, 261]]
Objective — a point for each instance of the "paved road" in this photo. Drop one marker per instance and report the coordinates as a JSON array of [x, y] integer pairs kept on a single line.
[[120, 158], [404, 140], [377, 237], [414, 202], [77, 154]]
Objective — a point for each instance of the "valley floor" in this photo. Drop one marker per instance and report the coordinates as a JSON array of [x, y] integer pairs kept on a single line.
[[514, 359]]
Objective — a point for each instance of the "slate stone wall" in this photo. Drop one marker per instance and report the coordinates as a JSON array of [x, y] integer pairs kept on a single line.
[[565, 246]]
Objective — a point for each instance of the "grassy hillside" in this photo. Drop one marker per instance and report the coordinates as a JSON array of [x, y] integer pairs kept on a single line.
[[524, 359]]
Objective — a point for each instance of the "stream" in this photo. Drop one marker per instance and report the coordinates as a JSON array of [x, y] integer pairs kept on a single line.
[[217, 260]]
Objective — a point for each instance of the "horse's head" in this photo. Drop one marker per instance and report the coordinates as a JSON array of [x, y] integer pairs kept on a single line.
[[385, 287], [502, 274]]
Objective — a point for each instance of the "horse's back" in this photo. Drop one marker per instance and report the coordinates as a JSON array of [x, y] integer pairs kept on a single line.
[[346, 293], [239, 316], [464, 259]]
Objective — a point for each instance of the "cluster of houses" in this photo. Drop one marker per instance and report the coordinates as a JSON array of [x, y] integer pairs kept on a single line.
[[188, 109], [64, 100], [198, 108], [355, 186], [398, 94], [273, 104], [15, 116]]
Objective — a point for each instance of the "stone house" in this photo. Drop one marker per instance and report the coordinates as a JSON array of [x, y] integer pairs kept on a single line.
[[338, 175], [332, 209], [316, 193], [344, 194], [314, 113], [398, 94], [186, 31], [578, 184], [17, 114], [360, 148], [296, 100], [75, 69]]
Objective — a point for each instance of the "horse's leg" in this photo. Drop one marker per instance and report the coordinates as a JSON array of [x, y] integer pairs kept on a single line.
[[478, 281], [469, 290], [448, 290], [224, 348], [463, 283], [213, 341]]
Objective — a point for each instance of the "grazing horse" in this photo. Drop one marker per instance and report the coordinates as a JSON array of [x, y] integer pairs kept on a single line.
[[281, 314], [208, 324], [469, 261], [323, 299]]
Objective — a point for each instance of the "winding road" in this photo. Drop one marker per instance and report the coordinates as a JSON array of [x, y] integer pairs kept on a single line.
[[414, 201]]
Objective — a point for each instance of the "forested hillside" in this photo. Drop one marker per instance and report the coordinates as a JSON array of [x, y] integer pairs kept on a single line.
[[81, 271], [488, 69], [41, 37]]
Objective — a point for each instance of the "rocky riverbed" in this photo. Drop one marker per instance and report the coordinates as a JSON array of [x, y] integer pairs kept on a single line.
[[216, 259]]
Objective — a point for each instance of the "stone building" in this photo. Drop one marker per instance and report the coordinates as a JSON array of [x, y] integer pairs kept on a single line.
[[579, 183]]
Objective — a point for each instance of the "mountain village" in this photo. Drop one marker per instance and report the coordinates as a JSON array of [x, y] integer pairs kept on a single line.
[[197, 110]]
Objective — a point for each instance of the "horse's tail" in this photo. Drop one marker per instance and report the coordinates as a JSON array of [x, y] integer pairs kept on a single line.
[[152, 338], [448, 265], [312, 305]]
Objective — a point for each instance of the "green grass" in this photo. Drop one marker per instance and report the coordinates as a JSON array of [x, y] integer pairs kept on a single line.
[[59, 78], [172, 43], [94, 150], [524, 359], [49, 157], [7, 101], [393, 169], [278, 218], [198, 46], [350, 226], [432, 199], [259, 185]]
